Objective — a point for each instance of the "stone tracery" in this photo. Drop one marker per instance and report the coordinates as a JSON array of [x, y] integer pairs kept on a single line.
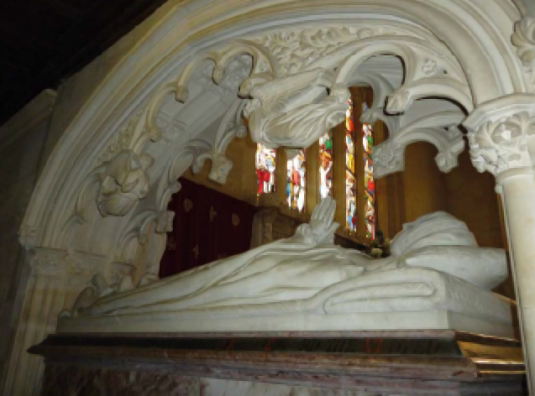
[[286, 61]]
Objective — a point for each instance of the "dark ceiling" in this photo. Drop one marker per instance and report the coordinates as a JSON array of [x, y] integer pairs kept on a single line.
[[45, 41]]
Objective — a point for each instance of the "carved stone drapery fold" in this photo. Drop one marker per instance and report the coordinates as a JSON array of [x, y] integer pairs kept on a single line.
[[501, 134]]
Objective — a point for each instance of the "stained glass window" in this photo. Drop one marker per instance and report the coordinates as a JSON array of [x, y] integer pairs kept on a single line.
[[296, 182], [265, 169], [351, 185], [369, 183], [326, 164]]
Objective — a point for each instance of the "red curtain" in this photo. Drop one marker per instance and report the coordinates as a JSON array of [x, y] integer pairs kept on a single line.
[[208, 225]]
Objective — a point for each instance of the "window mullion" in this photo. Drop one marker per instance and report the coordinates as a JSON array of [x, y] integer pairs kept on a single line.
[[357, 97]]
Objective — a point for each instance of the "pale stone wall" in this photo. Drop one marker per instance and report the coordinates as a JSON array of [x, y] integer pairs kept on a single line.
[[22, 142]]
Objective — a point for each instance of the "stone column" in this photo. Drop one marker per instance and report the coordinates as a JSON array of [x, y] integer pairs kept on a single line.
[[56, 279], [43, 301], [502, 141]]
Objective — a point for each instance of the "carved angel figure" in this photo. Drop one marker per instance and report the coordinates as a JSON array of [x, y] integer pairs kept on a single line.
[[123, 183], [294, 111], [435, 264]]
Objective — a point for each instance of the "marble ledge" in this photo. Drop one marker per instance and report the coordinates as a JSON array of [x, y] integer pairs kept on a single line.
[[374, 364]]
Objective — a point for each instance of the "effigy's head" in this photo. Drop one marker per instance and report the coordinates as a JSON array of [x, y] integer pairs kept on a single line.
[[434, 229]]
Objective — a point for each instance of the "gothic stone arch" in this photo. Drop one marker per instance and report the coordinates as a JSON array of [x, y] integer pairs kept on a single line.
[[178, 96]]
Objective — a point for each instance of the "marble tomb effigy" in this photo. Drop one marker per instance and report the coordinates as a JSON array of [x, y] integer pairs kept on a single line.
[[436, 278]]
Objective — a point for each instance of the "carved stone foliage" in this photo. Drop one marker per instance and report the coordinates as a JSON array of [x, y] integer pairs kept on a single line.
[[524, 39], [123, 182], [299, 49], [119, 174], [503, 144]]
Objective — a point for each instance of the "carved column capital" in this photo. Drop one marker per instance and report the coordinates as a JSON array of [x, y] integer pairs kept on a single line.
[[501, 134]]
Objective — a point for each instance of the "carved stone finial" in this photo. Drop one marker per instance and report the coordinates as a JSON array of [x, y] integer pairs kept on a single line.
[[182, 94], [123, 183], [221, 167], [165, 221], [500, 133]]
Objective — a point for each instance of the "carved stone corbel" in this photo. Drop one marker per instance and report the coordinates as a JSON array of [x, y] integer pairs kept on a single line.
[[123, 182]]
